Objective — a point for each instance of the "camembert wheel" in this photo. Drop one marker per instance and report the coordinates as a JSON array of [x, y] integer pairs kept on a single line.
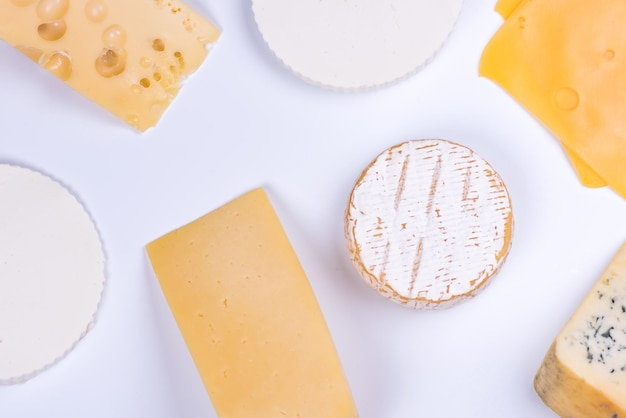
[[428, 223]]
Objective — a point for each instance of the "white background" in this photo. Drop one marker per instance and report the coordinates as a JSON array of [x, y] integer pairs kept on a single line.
[[244, 121]]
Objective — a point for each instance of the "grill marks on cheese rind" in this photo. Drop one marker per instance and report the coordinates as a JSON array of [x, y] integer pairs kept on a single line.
[[428, 221]]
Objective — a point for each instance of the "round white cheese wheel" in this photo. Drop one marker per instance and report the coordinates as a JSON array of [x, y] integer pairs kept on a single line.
[[51, 272], [355, 44], [428, 223]]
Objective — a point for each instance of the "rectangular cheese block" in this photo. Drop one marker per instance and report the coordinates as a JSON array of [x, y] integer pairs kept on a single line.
[[584, 372], [564, 62], [249, 316], [127, 56]]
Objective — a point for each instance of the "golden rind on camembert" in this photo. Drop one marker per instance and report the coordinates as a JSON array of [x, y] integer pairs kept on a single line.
[[428, 223], [51, 273], [583, 375]]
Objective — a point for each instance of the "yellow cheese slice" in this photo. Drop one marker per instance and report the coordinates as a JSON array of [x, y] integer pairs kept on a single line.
[[127, 56], [564, 63], [587, 176], [249, 315], [584, 372], [506, 7]]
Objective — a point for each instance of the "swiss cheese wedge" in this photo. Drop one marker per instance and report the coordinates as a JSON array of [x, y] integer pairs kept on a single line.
[[428, 224], [584, 372], [249, 315], [127, 56], [564, 61]]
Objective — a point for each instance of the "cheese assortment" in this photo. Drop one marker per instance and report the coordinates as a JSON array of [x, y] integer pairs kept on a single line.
[[51, 273], [428, 223], [354, 44], [249, 315], [564, 64], [130, 57], [584, 372]]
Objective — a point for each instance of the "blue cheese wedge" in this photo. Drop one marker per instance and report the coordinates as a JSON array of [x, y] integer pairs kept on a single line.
[[584, 371]]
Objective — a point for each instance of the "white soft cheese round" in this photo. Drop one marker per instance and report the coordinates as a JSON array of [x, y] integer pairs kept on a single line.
[[428, 223], [51, 272], [355, 44]]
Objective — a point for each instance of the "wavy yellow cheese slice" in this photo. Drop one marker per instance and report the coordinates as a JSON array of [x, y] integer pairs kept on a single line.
[[506, 7], [563, 62], [587, 176]]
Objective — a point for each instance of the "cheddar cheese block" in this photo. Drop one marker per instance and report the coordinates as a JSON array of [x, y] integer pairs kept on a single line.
[[249, 316], [355, 44], [428, 223], [583, 375], [129, 57], [563, 61], [51, 273]]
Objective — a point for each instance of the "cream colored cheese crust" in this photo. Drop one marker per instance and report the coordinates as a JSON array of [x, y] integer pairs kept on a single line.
[[355, 44], [428, 223], [584, 372], [51, 273]]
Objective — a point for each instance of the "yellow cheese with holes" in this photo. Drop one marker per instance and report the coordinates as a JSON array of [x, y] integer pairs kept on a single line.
[[583, 375], [249, 315], [127, 56], [564, 62]]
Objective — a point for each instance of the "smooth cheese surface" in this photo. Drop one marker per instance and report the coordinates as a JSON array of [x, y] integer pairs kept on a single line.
[[587, 176], [506, 7], [355, 44], [129, 57], [564, 61], [249, 315], [51, 273], [428, 223], [584, 373]]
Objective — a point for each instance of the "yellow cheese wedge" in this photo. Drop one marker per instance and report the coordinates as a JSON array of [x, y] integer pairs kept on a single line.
[[584, 372], [127, 56], [249, 315], [564, 62]]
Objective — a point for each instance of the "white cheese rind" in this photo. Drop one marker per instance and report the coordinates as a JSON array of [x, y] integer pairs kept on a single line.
[[428, 223], [51, 273], [584, 373], [355, 44]]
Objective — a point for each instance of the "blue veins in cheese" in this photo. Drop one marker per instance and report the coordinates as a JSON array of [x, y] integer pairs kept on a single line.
[[584, 371]]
